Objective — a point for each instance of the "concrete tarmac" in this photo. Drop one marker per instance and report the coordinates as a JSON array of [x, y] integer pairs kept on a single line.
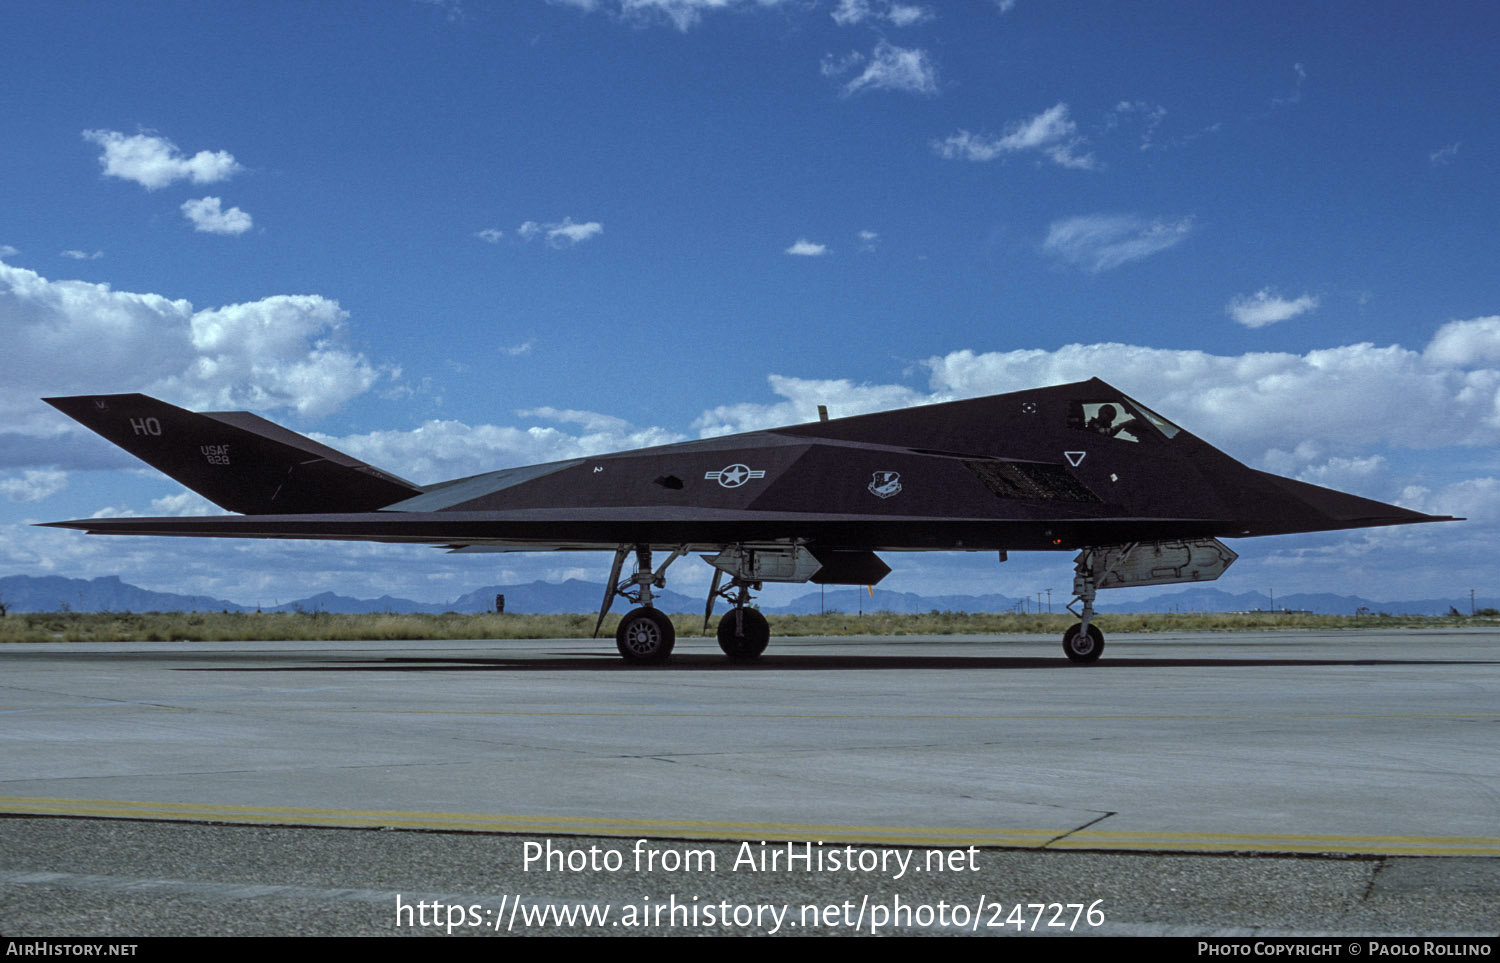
[[1348, 753]]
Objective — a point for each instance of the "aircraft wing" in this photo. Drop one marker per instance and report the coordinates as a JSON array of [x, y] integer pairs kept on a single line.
[[593, 529]]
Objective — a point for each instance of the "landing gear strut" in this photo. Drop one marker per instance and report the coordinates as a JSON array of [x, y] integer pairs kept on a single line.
[[743, 632], [1083, 642], [644, 636]]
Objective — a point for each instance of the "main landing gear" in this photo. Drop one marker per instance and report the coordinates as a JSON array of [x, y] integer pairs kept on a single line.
[[1083, 642], [644, 636], [743, 632]]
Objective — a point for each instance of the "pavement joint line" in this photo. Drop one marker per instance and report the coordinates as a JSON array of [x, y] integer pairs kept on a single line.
[[1066, 833]]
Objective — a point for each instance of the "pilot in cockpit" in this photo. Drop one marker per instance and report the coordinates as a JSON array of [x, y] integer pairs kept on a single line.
[[1104, 423]]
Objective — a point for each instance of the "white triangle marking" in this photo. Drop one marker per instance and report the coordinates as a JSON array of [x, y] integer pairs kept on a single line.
[[1074, 457]]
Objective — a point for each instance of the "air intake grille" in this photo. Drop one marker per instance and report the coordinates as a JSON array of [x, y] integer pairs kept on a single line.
[[1011, 479]]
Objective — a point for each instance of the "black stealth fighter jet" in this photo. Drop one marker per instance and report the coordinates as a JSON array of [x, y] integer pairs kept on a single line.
[[1077, 468]]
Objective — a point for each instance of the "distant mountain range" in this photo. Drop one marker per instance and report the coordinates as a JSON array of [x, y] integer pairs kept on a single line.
[[52, 593]]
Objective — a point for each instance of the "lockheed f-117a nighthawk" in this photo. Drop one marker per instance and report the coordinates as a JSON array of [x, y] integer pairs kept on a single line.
[[1071, 468]]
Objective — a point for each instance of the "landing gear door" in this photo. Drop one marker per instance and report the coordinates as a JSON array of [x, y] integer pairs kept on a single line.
[[1160, 563], [786, 563]]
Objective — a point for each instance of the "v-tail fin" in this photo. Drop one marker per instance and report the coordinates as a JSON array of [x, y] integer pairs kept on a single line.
[[238, 461]]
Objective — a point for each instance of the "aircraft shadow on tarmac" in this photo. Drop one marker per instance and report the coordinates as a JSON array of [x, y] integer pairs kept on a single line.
[[698, 663]]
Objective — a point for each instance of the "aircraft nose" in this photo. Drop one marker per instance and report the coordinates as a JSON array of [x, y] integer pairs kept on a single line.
[[1342, 510]]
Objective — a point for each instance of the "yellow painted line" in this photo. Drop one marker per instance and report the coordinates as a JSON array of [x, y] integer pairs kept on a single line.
[[736, 831], [1275, 845], [1283, 842], [1300, 837], [474, 822]]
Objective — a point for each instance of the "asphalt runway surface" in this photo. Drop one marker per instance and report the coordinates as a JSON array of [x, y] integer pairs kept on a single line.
[[1269, 783]]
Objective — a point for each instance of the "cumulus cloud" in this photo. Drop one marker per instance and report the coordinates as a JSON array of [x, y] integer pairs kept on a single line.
[[1476, 499], [279, 352], [805, 248], [76, 337], [1265, 307], [184, 503], [82, 255], [154, 162], [490, 235], [440, 450], [1052, 133], [851, 12], [208, 217], [1466, 343], [967, 146], [868, 240], [801, 398], [888, 68], [33, 485], [1343, 472], [682, 14], [589, 420], [562, 233], [1098, 242], [1340, 398]]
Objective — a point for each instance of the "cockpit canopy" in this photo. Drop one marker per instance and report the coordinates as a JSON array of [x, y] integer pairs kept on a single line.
[[1120, 418]]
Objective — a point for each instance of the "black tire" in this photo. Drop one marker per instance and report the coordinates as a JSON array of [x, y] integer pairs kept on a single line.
[[744, 636], [645, 637], [1083, 648]]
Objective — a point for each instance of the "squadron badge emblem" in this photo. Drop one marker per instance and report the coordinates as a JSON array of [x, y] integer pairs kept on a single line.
[[885, 484]]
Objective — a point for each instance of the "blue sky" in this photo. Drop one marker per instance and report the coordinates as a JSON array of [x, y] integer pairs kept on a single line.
[[455, 236]]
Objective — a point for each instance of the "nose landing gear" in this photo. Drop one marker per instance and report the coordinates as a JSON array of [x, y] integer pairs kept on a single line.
[[1083, 643]]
